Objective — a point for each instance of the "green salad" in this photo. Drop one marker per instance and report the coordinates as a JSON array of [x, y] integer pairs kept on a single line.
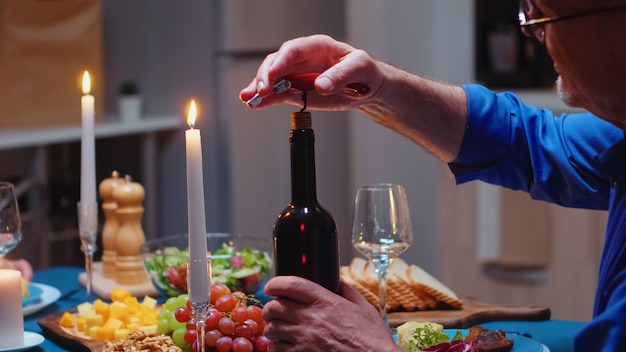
[[240, 269]]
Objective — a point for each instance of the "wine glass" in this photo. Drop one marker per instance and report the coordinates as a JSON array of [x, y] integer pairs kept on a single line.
[[381, 230], [10, 224]]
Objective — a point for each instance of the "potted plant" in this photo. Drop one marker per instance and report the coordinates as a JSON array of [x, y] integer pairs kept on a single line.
[[129, 102]]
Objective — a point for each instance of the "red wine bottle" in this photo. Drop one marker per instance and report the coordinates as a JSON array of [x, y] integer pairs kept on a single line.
[[305, 234]]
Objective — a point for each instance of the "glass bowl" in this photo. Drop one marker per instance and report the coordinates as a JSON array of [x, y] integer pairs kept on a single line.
[[241, 263]]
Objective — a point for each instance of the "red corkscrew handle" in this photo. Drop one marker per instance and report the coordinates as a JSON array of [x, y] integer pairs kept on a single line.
[[305, 82]]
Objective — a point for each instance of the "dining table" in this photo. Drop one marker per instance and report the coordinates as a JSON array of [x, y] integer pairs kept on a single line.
[[556, 334]]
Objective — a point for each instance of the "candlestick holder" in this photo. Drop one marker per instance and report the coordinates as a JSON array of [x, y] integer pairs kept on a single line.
[[88, 232], [199, 297]]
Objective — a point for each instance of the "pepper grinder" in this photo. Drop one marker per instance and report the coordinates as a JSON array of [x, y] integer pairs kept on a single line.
[[129, 268], [111, 224]]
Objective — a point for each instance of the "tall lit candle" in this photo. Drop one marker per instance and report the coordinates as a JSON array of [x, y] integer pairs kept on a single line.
[[198, 264], [11, 319], [88, 154]]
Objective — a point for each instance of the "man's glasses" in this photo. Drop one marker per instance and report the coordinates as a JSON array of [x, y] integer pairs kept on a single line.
[[534, 27]]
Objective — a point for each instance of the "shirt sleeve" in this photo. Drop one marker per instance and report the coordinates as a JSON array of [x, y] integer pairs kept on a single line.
[[522, 147]]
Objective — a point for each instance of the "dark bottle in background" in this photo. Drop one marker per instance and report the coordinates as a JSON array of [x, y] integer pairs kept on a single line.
[[305, 234], [505, 57]]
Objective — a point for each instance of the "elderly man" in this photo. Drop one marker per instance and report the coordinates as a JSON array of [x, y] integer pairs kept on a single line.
[[573, 160]]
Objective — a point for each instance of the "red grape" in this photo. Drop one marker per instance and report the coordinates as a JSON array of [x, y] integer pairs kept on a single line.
[[191, 324], [213, 318], [239, 314], [253, 324], [191, 336], [182, 314], [217, 291], [226, 326], [210, 337], [224, 344], [226, 303], [244, 330], [255, 313], [262, 343], [242, 344]]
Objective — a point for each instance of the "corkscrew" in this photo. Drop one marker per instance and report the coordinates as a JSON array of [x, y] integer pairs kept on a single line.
[[303, 82]]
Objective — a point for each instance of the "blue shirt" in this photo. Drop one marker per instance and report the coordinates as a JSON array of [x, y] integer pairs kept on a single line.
[[575, 160]]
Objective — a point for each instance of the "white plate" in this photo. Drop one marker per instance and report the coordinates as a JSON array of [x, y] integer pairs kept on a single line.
[[48, 296], [31, 339]]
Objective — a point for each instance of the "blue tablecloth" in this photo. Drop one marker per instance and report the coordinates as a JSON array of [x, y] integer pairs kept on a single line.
[[557, 335]]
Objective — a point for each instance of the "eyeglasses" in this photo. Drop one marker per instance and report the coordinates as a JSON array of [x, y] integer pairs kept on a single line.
[[534, 27]]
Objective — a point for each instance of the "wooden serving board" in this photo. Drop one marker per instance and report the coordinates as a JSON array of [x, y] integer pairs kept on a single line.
[[51, 328], [473, 312]]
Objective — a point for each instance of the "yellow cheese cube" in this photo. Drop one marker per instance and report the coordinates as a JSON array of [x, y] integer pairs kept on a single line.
[[102, 308], [105, 333], [67, 320], [151, 329], [84, 308], [81, 322], [93, 332], [93, 321], [121, 334], [114, 323], [149, 301], [119, 295], [119, 312]]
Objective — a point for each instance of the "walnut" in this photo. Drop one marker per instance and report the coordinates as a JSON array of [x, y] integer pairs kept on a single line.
[[139, 341]]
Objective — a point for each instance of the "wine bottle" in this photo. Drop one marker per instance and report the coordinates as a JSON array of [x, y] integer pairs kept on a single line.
[[305, 234]]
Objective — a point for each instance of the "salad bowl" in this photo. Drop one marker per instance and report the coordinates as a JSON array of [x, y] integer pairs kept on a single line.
[[241, 263]]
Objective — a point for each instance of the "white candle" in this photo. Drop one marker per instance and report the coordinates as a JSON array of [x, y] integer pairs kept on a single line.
[[88, 168], [198, 264], [88, 156], [11, 319]]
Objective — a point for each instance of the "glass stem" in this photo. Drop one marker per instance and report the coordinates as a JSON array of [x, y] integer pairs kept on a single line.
[[88, 264], [382, 292], [200, 312]]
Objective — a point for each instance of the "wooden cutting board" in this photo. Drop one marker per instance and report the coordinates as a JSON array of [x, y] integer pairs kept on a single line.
[[473, 312]]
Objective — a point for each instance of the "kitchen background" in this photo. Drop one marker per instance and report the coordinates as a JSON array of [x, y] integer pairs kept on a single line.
[[468, 236]]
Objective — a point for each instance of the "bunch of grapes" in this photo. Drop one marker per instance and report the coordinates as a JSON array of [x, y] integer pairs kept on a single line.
[[231, 324]]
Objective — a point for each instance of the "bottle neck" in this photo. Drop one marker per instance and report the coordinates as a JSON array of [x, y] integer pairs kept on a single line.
[[303, 188]]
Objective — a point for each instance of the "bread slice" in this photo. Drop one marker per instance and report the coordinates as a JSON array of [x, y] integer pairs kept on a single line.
[[371, 297], [399, 279], [435, 288], [358, 267]]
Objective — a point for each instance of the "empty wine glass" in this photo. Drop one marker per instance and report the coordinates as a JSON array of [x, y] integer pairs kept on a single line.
[[10, 224], [381, 230]]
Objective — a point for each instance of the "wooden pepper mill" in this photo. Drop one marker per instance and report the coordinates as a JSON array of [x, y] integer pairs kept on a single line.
[[129, 268], [111, 224]]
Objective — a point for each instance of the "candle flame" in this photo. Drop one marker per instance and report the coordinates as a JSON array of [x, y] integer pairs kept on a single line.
[[86, 83], [191, 116]]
